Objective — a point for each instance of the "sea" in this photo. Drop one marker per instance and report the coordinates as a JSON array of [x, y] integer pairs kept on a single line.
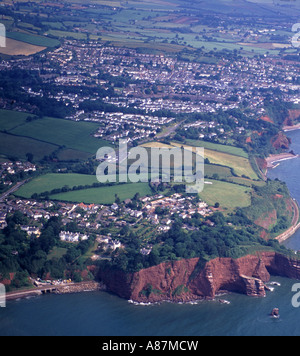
[[104, 314]]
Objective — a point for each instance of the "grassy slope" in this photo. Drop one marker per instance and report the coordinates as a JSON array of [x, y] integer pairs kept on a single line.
[[51, 181], [105, 195], [43, 136], [228, 195], [75, 135]]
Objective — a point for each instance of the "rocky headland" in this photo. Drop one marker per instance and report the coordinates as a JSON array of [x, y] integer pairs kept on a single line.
[[190, 279]]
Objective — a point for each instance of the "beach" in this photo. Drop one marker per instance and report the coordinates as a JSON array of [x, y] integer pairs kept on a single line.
[[291, 128], [272, 159]]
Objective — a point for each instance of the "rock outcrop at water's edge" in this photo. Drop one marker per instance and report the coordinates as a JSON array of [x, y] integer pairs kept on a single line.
[[188, 279]]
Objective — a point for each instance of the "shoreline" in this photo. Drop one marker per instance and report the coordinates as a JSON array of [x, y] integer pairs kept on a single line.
[[291, 128], [272, 159], [98, 286], [53, 289], [295, 224]]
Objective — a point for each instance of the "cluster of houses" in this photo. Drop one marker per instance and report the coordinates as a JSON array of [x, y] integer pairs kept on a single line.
[[72, 236], [18, 166], [130, 127], [153, 82], [9, 169], [157, 211], [183, 206], [108, 243], [31, 230], [3, 223]]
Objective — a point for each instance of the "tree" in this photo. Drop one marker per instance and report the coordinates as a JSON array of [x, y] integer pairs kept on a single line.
[[19, 218], [29, 157], [117, 199], [20, 279]]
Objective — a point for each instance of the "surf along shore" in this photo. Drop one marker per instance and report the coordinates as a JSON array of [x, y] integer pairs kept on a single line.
[[273, 159], [291, 128], [272, 162]]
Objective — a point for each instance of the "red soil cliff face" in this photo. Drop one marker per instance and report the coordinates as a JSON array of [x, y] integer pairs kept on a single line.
[[281, 141], [186, 280]]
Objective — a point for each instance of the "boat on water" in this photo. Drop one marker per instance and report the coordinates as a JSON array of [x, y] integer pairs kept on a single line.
[[275, 283], [223, 301], [275, 313]]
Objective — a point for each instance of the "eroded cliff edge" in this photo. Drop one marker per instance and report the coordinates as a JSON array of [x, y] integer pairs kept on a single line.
[[191, 279]]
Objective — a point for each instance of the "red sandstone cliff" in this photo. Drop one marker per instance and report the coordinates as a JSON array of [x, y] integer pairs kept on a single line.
[[281, 141], [184, 280]]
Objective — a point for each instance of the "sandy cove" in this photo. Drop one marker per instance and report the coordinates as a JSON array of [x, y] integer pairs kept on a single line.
[[278, 158], [291, 128]]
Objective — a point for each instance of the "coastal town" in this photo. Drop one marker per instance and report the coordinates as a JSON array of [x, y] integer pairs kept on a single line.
[[148, 152], [140, 98], [151, 90], [157, 211]]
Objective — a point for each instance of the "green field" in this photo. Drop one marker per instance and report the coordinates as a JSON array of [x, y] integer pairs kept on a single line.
[[51, 181], [101, 195], [241, 166], [59, 33], [104, 195], [10, 119], [217, 147], [222, 172], [43, 136], [17, 147], [154, 26], [74, 135], [33, 39], [229, 195]]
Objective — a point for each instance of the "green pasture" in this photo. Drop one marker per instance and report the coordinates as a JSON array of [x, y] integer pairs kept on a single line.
[[240, 165], [33, 39], [218, 147], [223, 172], [43, 136], [100, 195], [18, 147], [230, 196], [52, 181], [10, 119], [104, 195], [60, 132]]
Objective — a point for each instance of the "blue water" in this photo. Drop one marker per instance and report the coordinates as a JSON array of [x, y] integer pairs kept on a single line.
[[103, 314], [289, 172]]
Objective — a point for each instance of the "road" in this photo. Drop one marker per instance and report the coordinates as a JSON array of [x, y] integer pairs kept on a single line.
[[81, 286], [11, 190], [169, 130]]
